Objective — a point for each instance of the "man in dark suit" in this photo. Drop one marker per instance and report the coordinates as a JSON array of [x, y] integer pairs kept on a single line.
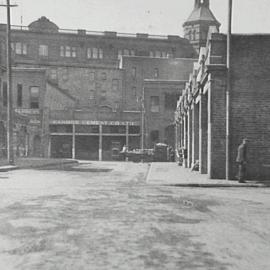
[[242, 160]]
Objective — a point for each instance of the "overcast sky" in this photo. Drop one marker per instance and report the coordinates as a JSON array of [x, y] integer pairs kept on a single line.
[[138, 16]]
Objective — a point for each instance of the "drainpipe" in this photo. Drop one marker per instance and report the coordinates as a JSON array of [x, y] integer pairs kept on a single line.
[[228, 90]]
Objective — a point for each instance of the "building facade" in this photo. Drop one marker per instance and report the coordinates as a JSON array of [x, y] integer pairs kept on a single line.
[[202, 109], [92, 86]]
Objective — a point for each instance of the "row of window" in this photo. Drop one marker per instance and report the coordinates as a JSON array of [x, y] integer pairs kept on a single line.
[[169, 103], [21, 48], [159, 54], [94, 129], [33, 96], [103, 93], [134, 73]]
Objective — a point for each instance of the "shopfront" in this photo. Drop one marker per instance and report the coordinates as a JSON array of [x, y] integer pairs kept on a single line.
[[92, 140]]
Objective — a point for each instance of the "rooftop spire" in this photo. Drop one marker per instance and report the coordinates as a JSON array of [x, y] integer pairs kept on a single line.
[[199, 3]]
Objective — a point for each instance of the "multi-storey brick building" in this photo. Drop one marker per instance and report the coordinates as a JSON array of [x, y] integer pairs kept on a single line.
[[85, 99], [202, 109]]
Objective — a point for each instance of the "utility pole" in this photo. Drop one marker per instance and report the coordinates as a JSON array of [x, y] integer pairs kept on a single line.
[[142, 120], [10, 148], [228, 90]]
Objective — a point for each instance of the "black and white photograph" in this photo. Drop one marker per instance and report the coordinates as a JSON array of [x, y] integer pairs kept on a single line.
[[134, 135]]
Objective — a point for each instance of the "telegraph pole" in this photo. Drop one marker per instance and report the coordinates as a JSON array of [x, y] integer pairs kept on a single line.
[[229, 34], [142, 121], [10, 148]]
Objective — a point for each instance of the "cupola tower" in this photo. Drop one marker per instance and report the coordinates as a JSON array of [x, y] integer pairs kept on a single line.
[[198, 23]]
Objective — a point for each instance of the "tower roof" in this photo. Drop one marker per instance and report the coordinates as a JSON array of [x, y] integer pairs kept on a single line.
[[201, 13], [43, 25]]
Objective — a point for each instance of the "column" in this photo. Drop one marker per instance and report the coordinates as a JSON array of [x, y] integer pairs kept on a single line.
[[100, 143], [73, 142], [195, 133], [217, 126], [127, 138], [189, 139], [185, 141], [203, 134], [49, 147]]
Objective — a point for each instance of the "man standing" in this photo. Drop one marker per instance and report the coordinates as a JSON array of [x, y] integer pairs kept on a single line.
[[242, 160]]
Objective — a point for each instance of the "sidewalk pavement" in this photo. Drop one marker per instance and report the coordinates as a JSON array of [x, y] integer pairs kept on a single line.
[[164, 173], [34, 163]]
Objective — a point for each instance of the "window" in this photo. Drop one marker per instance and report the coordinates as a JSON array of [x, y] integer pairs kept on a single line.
[[19, 48], [103, 76], [115, 84], [5, 94], [95, 53], [156, 73], [103, 93], [194, 34], [119, 54], [126, 52], [53, 74], [73, 52], [164, 54], [92, 94], [98, 87], [67, 51], [62, 51], [43, 50], [170, 102], [134, 130], [134, 71], [154, 104], [157, 54], [19, 95], [91, 76], [34, 97]]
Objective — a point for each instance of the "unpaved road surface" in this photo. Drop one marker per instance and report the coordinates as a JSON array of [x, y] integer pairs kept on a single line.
[[105, 216]]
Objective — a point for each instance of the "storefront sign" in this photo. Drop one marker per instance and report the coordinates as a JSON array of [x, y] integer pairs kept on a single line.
[[92, 122]]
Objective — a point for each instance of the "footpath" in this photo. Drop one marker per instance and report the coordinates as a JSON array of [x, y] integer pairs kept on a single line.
[[34, 163], [170, 174]]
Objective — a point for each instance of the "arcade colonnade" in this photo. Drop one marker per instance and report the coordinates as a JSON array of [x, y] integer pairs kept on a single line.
[[201, 120]]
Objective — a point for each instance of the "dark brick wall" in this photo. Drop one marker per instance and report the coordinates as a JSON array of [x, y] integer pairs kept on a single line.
[[250, 101], [217, 125]]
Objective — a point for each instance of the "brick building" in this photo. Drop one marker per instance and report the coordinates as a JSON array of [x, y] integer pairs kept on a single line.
[[201, 112], [87, 100]]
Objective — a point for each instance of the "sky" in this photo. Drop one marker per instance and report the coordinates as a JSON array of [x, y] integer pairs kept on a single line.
[[139, 16]]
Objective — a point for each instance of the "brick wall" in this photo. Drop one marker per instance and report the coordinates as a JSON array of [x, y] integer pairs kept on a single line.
[[148, 68], [217, 125], [109, 42], [250, 101], [164, 117]]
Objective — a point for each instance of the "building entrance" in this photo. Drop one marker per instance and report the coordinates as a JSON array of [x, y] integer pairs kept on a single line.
[[86, 147], [61, 146]]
